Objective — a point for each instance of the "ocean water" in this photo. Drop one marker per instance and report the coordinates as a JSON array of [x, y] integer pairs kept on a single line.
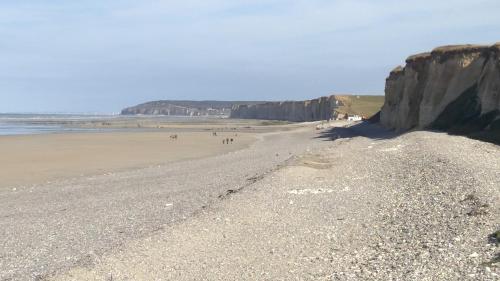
[[28, 124]]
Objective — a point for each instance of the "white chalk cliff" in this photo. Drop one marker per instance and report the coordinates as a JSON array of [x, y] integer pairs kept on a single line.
[[295, 111], [452, 88]]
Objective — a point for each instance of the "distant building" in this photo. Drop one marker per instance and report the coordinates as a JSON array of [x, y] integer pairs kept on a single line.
[[354, 118], [340, 116]]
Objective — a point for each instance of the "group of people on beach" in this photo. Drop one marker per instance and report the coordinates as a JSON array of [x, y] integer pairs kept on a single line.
[[226, 140]]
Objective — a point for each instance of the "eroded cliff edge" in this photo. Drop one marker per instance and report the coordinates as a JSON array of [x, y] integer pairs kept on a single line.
[[452, 88]]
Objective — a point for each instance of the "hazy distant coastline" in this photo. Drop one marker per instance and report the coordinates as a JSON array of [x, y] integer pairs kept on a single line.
[[186, 108]]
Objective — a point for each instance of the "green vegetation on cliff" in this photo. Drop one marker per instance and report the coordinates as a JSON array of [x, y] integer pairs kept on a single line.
[[360, 105]]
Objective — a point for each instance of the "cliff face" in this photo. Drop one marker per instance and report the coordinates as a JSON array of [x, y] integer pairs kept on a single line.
[[454, 88], [164, 109], [183, 108], [295, 111]]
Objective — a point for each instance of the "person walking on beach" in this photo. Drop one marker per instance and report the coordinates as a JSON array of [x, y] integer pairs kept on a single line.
[[227, 141]]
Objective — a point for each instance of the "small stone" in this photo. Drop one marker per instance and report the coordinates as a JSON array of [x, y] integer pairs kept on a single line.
[[474, 255]]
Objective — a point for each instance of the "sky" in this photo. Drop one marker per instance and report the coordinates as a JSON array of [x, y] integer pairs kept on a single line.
[[99, 56]]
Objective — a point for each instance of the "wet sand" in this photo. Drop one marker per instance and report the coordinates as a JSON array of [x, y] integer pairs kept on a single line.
[[38, 159]]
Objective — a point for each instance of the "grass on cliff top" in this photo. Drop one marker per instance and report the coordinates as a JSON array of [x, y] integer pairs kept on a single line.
[[361, 105]]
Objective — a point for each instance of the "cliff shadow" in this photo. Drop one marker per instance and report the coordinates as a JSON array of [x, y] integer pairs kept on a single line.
[[464, 117], [364, 129]]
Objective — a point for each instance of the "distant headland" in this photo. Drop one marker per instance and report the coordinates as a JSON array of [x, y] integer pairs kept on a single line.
[[322, 108], [186, 108]]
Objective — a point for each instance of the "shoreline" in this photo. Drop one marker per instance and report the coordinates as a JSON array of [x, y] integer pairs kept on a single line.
[[67, 150], [37, 124]]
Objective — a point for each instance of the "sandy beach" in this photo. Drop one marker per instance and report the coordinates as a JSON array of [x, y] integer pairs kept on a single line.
[[35, 159], [86, 146]]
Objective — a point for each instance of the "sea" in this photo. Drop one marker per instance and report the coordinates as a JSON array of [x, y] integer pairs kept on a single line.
[[29, 124]]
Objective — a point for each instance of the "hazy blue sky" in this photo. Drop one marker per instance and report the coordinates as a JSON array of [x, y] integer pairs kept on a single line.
[[102, 55]]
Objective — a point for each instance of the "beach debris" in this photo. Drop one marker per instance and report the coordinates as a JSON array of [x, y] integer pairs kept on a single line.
[[477, 207], [494, 238], [255, 178], [310, 191], [228, 192], [474, 255]]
